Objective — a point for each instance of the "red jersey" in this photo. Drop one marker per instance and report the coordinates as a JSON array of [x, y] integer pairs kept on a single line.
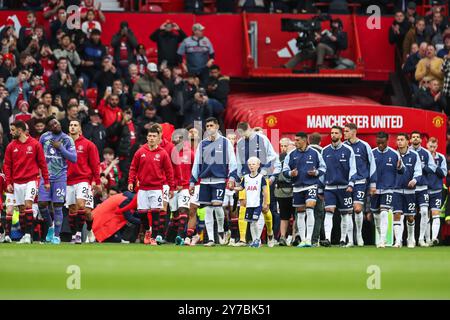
[[173, 156], [23, 162], [186, 157], [3, 186], [87, 167], [109, 114], [114, 174], [150, 169]]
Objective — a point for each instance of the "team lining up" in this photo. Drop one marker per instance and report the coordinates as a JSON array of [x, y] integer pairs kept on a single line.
[[344, 174]]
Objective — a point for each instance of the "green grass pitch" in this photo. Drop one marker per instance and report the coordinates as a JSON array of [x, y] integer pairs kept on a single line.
[[111, 271]]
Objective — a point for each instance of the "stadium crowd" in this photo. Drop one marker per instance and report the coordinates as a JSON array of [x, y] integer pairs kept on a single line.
[[94, 116]]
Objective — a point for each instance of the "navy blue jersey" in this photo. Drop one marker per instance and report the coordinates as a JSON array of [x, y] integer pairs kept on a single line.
[[304, 161], [341, 165], [428, 167], [214, 160], [365, 162], [387, 170], [413, 169], [435, 180]]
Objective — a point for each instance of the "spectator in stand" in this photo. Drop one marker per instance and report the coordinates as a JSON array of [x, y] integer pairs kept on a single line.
[[141, 59], [50, 12], [95, 131], [71, 114], [166, 76], [218, 85], [62, 81], [89, 5], [197, 109], [18, 87], [446, 49], [149, 83], [199, 53], [23, 114], [430, 98], [126, 131], [167, 38], [415, 35], [6, 109], [133, 76], [37, 129], [8, 67], [67, 49], [109, 109], [110, 173], [398, 30], [446, 86], [178, 88], [124, 44], [60, 24], [252, 6], [430, 66], [411, 13], [39, 114], [122, 91], [54, 108], [27, 31], [46, 60], [90, 24], [145, 121], [167, 109], [106, 77], [142, 101], [27, 62], [435, 28], [91, 58], [409, 67], [193, 6]]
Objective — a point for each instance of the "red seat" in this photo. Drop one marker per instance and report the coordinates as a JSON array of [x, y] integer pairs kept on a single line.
[[151, 53], [91, 95], [151, 8]]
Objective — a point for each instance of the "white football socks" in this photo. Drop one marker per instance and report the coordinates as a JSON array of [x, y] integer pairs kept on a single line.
[[436, 225], [328, 225], [423, 222], [309, 223], [209, 222], [220, 217], [301, 225]]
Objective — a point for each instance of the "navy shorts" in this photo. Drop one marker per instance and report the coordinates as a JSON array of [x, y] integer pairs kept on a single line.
[[252, 214], [422, 198], [405, 203], [359, 193], [338, 198], [300, 198], [56, 194], [435, 200], [214, 192], [384, 200]]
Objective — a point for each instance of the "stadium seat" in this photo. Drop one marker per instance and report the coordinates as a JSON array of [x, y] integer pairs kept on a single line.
[[152, 53], [151, 8], [91, 95]]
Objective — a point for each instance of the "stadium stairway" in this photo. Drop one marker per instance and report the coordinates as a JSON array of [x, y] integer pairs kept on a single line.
[[111, 5]]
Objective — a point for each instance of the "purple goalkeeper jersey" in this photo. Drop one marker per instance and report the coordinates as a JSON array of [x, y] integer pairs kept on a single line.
[[57, 158]]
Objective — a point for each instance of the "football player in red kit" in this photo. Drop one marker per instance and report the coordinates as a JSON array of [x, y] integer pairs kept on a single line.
[[151, 168], [24, 158], [173, 155], [82, 177], [179, 204]]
